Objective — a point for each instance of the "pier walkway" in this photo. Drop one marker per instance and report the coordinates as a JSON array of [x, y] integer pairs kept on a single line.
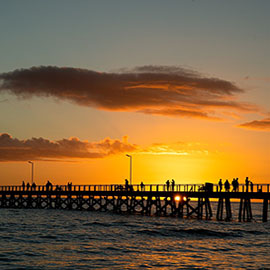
[[161, 200]]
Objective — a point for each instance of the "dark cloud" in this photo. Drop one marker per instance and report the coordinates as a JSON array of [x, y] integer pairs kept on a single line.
[[160, 90], [12, 149], [263, 124]]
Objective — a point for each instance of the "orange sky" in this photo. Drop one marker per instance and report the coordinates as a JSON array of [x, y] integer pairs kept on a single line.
[[183, 88]]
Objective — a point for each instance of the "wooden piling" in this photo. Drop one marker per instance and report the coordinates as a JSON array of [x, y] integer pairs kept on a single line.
[[265, 210]]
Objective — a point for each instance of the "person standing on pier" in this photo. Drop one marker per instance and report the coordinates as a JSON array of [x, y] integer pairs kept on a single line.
[[234, 184], [247, 183], [173, 184], [168, 184], [126, 184], [251, 186], [142, 186], [23, 185], [33, 186], [237, 184], [220, 185], [69, 186], [227, 185]]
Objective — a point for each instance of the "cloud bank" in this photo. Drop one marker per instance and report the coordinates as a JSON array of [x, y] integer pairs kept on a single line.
[[12, 149], [263, 124], [161, 90]]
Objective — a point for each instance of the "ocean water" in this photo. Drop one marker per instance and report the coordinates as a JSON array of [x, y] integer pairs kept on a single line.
[[60, 239]]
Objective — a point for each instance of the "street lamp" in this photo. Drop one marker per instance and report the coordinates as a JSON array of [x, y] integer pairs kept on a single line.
[[130, 168], [32, 171]]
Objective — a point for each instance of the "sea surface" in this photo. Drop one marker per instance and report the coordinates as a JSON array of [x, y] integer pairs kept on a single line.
[[61, 239]]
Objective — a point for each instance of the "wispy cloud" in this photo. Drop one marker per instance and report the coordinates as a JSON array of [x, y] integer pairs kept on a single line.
[[176, 149], [12, 149], [163, 90], [263, 124]]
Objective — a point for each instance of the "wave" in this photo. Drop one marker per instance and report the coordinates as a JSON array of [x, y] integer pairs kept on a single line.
[[251, 232], [95, 223], [187, 232]]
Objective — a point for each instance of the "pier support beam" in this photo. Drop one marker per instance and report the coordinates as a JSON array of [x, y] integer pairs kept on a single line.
[[245, 212], [219, 215], [265, 210]]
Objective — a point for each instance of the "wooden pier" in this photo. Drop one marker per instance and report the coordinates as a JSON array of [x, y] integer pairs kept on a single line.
[[178, 201]]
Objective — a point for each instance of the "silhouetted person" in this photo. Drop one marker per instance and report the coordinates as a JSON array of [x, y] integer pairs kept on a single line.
[[34, 186], [237, 184], [173, 184], [234, 184], [246, 183], [48, 185], [23, 185], [69, 186], [168, 184], [142, 186], [27, 186], [227, 185], [126, 184], [220, 185], [251, 186]]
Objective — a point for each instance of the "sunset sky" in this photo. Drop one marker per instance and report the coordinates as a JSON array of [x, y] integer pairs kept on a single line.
[[182, 86]]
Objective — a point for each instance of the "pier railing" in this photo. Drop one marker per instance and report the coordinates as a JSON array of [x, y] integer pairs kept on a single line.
[[146, 188]]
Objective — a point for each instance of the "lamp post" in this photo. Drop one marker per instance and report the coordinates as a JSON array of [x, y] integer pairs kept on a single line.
[[32, 171], [130, 169]]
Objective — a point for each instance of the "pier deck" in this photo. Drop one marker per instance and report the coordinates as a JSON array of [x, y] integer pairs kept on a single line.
[[179, 201]]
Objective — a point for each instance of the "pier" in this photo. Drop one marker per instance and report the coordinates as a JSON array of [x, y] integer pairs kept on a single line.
[[181, 201]]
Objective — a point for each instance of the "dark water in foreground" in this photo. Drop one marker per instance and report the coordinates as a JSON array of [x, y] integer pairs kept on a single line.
[[55, 239]]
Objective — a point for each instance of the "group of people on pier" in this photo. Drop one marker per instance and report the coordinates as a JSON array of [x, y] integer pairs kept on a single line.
[[48, 186], [170, 185], [235, 185], [28, 186]]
